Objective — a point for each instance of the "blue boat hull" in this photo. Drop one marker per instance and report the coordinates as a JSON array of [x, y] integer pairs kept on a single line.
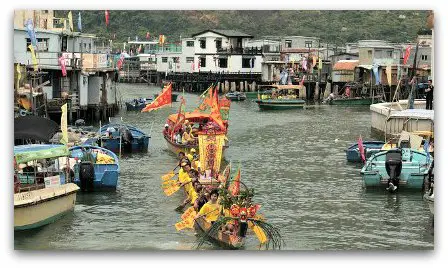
[[370, 148], [140, 144], [106, 175], [132, 107]]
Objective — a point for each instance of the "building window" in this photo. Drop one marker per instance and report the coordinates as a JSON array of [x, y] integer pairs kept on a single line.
[[164, 59], [369, 53], [248, 62], [424, 57], [202, 43], [222, 63], [389, 53], [42, 44], [308, 44], [44, 11], [190, 43], [288, 43], [218, 43], [202, 61], [189, 59]]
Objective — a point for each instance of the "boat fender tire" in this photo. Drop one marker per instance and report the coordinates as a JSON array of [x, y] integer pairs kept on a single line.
[[86, 176]]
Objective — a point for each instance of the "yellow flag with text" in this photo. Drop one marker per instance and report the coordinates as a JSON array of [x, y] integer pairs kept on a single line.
[[389, 74], [64, 138], [258, 232], [19, 75], [33, 57], [320, 64], [70, 20]]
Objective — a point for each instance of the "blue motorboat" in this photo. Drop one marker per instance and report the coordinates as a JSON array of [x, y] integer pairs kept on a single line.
[[370, 148], [397, 168], [131, 138], [95, 168]]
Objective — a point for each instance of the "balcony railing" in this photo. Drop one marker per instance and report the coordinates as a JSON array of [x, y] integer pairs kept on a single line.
[[72, 60], [241, 50]]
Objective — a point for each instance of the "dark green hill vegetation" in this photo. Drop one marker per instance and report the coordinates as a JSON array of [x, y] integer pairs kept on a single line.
[[338, 26]]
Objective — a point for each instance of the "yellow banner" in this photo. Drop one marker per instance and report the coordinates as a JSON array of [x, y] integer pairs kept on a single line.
[[169, 183], [320, 64], [64, 139], [168, 176], [210, 151], [19, 75], [171, 190], [184, 224], [33, 57], [190, 213], [389, 74], [70, 20]]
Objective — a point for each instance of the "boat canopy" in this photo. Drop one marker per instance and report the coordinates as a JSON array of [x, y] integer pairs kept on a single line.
[[34, 128], [26, 153], [191, 116]]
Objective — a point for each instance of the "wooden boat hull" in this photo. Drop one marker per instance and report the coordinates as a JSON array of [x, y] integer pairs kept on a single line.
[[221, 239], [41, 207], [280, 104], [176, 147], [355, 101]]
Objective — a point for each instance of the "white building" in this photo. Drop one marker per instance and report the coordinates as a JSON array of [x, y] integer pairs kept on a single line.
[[213, 51]]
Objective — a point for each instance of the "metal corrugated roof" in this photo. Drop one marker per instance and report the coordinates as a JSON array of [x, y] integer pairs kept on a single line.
[[348, 65]]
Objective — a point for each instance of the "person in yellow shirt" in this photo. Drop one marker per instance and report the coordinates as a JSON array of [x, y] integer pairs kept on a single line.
[[193, 194], [191, 155], [184, 178], [211, 209]]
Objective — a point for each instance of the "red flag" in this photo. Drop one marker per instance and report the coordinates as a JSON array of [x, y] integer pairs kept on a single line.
[[162, 100], [361, 149], [407, 54], [235, 187], [215, 113], [147, 35], [106, 14]]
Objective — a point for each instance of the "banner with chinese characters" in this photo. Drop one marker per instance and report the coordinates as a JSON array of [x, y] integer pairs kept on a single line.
[[210, 151]]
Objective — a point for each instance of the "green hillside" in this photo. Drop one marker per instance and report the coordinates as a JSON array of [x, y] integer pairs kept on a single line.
[[332, 26]]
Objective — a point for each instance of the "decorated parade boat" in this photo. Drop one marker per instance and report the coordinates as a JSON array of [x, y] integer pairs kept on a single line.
[[43, 191]]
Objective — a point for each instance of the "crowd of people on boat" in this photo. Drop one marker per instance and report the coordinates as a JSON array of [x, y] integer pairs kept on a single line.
[[187, 134], [203, 197]]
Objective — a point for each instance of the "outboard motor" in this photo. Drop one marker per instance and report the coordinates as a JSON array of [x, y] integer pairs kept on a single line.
[[393, 168], [86, 175], [127, 138]]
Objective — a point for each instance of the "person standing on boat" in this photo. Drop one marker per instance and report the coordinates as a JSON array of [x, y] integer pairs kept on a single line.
[[429, 95], [210, 210]]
